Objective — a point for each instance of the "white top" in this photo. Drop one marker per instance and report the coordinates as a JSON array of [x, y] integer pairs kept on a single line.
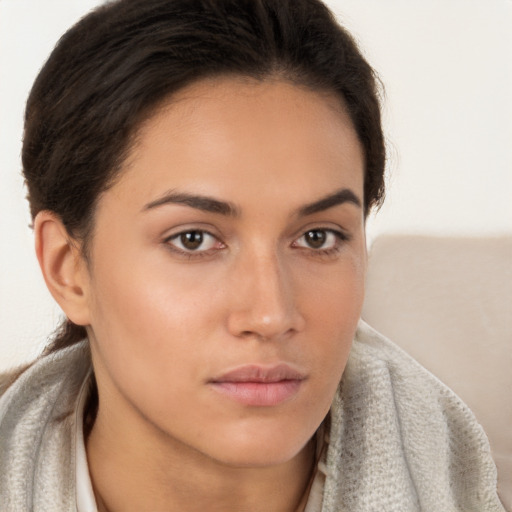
[[85, 501]]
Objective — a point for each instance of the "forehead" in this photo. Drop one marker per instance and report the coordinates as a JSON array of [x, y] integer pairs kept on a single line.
[[235, 138]]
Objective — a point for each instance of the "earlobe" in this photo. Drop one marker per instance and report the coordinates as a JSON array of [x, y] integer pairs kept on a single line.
[[63, 267]]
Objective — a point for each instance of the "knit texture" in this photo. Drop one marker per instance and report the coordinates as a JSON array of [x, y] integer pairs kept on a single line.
[[37, 428], [399, 441]]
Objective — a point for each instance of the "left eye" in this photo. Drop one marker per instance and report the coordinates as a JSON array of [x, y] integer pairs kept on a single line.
[[193, 241], [318, 239]]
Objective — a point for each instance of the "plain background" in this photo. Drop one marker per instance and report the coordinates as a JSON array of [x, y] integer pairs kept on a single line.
[[447, 69]]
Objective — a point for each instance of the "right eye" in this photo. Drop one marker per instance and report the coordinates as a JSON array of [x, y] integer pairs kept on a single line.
[[194, 241]]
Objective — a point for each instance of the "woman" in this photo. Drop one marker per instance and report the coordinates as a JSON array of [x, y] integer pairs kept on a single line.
[[199, 175]]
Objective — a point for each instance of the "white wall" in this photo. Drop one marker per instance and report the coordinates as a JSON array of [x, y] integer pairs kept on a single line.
[[447, 68]]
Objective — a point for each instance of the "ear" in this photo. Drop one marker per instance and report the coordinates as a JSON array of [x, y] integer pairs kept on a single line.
[[63, 266]]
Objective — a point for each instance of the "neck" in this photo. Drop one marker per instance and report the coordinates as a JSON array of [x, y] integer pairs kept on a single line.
[[133, 471]]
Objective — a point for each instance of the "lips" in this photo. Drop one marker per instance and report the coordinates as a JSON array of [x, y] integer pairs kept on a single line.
[[260, 386]]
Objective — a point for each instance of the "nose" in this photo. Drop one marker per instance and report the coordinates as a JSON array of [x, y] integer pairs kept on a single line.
[[264, 302]]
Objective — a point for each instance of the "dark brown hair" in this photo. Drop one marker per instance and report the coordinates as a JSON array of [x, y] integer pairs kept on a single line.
[[111, 70]]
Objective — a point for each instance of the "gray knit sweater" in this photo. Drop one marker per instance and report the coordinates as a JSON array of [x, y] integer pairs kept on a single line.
[[400, 441]]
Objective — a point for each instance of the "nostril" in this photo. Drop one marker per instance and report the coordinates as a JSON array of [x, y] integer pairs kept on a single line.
[[253, 334], [261, 335]]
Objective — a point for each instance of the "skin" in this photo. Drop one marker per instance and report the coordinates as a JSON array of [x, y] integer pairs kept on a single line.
[[164, 319]]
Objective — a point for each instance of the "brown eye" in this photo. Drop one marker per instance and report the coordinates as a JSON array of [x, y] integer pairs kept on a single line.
[[320, 239], [315, 238], [192, 240]]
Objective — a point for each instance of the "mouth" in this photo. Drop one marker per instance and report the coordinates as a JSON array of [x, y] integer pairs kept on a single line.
[[259, 386]]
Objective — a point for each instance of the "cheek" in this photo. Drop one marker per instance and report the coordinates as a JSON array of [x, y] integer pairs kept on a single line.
[[335, 293], [146, 316], [333, 304], [139, 285], [152, 333]]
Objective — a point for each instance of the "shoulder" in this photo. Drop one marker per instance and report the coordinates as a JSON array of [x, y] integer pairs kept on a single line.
[[37, 428], [404, 438], [425, 407], [47, 374], [8, 377], [377, 363]]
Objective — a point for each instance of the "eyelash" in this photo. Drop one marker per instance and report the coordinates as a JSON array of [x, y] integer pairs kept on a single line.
[[340, 236], [190, 254]]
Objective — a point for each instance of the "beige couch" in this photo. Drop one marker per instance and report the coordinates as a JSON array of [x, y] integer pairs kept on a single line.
[[448, 302]]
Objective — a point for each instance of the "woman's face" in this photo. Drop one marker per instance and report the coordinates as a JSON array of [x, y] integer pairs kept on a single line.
[[227, 271]]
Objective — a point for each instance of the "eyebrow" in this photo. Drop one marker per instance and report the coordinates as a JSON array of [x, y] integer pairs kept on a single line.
[[345, 195], [199, 202], [209, 204]]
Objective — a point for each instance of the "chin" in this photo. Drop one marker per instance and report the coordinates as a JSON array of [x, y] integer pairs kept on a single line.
[[265, 447], [260, 458]]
